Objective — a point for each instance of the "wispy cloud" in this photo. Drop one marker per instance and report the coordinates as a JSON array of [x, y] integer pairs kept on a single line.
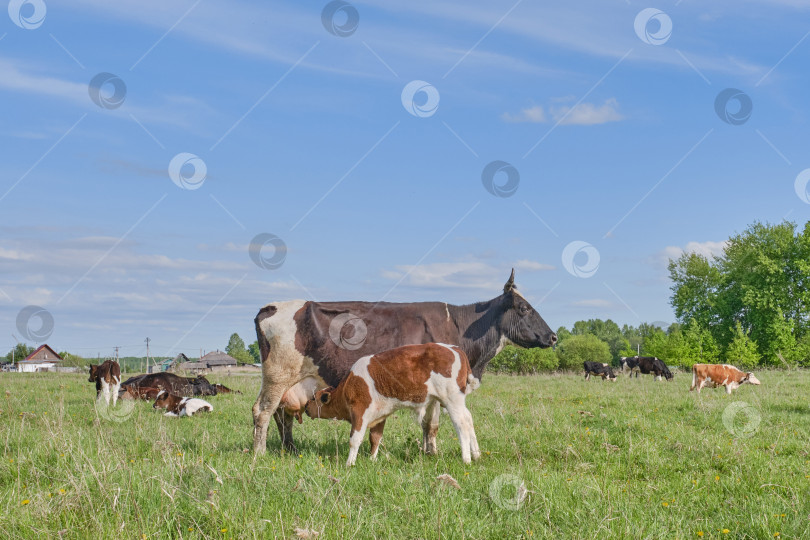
[[583, 114]]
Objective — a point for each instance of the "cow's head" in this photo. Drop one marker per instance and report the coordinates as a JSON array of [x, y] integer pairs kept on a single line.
[[520, 322], [610, 375], [749, 378], [93, 374]]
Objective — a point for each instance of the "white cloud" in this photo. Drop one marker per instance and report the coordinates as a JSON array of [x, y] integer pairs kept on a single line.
[[587, 114], [583, 114], [535, 115], [468, 275], [533, 266], [708, 249]]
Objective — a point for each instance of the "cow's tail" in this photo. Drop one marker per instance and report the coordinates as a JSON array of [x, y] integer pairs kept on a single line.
[[472, 383], [694, 377]]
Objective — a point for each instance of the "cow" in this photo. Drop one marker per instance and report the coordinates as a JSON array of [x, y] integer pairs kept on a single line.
[[107, 377], [302, 340], [222, 389], [720, 375], [423, 378], [180, 406], [598, 368], [129, 391], [646, 365], [175, 384]]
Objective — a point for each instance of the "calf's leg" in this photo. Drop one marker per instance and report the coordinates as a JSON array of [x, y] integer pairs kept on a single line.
[[374, 437], [284, 421], [356, 438], [456, 409], [116, 389], [430, 426]]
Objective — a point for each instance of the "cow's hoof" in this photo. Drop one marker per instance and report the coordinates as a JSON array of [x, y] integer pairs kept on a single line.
[[476, 456]]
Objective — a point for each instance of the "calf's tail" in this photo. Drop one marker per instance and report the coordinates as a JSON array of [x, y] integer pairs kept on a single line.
[[472, 383]]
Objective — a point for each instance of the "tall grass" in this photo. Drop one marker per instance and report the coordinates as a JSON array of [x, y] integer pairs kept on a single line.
[[563, 458]]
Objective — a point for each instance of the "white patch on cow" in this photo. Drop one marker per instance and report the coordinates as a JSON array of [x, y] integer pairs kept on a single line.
[[189, 406], [281, 323], [503, 343], [105, 391], [752, 379]]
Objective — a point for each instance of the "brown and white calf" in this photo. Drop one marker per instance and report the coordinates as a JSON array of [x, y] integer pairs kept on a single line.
[[180, 406], [720, 375], [138, 392], [107, 377], [423, 378]]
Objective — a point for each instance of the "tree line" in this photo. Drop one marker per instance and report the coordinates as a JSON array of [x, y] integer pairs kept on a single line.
[[749, 306]]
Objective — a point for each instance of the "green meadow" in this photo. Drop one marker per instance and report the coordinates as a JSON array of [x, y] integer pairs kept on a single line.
[[562, 458]]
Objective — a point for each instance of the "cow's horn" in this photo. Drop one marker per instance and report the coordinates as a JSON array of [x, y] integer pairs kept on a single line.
[[510, 284]]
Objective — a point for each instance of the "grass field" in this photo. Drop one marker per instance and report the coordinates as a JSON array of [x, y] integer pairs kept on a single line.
[[563, 458]]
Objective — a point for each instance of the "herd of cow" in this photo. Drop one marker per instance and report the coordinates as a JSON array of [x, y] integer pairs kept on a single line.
[[169, 391], [362, 361]]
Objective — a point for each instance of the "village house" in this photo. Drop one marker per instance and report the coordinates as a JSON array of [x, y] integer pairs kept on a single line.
[[42, 359]]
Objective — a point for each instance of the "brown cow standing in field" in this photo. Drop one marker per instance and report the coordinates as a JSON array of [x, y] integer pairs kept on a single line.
[[107, 377], [315, 344], [720, 375], [419, 377]]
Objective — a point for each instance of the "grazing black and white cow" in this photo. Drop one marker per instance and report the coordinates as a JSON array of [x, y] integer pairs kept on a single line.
[[646, 365], [598, 368], [312, 345]]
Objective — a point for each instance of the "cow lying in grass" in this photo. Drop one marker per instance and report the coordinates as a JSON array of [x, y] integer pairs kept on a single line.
[[715, 375], [423, 378], [139, 392], [180, 406]]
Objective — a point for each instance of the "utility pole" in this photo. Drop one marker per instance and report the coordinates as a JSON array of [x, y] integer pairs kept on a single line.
[[147, 340], [116, 353]]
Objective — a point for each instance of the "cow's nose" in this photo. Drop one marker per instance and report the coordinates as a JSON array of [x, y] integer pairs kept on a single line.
[[553, 339]]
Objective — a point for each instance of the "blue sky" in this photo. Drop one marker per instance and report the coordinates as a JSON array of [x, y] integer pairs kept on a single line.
[[612, 137]]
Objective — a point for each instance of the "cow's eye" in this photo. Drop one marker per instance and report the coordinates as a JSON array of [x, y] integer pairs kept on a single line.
[[524, 308]]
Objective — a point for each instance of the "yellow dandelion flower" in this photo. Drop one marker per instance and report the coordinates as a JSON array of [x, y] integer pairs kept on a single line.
[[716, 478], [62, 491], [26, 501], [223, 530], [726, 531], [665, 504], [776, 535], [190, 529], [700, 533]]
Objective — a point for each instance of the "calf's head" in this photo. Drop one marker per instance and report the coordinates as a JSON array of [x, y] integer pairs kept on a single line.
[[163, 400], [321, 405], [93, 374], [750, 379], [520, 322]]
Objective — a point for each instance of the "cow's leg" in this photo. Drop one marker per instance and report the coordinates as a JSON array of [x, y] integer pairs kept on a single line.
[[266, 404], [456, 409], [374, 437], [430, 426], [116, 388], [105, 392], [284, 421], [587, 375]]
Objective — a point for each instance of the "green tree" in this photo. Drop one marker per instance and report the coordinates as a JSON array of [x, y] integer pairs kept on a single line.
[[73, 360], [700, 346], [236, 349], [520, 361], [255, 352], [761, 280], [562, 334], [608, 331], [577, 349], [742, 352], [19, 352]]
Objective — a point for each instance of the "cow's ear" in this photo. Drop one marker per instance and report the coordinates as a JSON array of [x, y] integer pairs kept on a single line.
[[325, 397], [510, 284]]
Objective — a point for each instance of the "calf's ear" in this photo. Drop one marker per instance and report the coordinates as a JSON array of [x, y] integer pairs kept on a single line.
[[325, 397]]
